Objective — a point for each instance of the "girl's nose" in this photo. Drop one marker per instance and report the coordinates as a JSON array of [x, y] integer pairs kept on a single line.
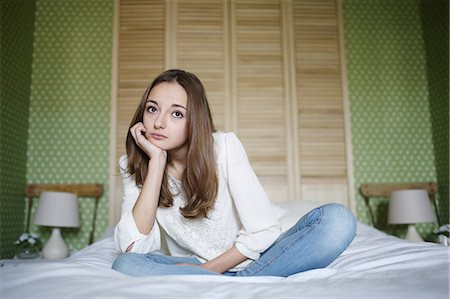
[[160, 123]]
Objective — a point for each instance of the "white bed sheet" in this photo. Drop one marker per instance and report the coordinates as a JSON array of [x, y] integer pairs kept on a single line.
[[374, 266]]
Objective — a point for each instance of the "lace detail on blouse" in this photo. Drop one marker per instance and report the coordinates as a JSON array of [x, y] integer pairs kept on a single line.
[[205, 237]]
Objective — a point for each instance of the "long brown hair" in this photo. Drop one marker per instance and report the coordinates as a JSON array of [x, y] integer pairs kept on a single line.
[[199, 179]]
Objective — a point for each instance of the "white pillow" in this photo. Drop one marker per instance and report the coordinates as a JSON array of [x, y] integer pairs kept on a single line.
[[289, 212]]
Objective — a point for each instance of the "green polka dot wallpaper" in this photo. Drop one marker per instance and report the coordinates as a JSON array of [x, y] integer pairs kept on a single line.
[[389, 98], [70, 104], [435, 24], [17, 27]]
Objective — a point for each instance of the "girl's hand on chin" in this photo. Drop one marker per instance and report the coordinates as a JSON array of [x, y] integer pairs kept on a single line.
[[138, 131]]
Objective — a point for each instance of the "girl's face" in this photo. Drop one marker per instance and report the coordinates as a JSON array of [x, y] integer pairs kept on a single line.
[[165, 116]]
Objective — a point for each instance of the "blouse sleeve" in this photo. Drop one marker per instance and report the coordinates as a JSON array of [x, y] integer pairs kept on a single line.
[[260, 227], [126, 231]]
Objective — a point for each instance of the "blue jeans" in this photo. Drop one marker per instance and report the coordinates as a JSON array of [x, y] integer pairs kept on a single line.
[[316, 240]]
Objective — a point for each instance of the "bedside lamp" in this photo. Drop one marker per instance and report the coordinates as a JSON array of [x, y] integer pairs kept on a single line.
[[410, 207], [57, 209]]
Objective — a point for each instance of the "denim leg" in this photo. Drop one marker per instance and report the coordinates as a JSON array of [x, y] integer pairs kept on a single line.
[[316, 240], [137, 264]]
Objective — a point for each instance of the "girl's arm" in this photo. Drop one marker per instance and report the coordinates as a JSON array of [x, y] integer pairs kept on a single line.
[[260, 227], [126, 233], [223, 262], [144, 210]]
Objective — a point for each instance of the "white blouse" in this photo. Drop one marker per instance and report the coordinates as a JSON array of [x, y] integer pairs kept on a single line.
[[242, 214]]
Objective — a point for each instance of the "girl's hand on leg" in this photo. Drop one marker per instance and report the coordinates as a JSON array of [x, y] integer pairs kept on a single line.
[[188, 264], [202, 266]]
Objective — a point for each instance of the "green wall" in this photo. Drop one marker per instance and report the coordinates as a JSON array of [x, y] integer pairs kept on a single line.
[[435, 24], [70, 103], [17, 27], [389, 98]]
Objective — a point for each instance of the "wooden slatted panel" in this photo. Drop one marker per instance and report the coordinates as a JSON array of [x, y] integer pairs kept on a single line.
[[320, 101], [236, 49], [140, 57], [200, 49], [261, 106]]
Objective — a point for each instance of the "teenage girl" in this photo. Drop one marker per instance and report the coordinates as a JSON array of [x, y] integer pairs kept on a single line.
[[195, 188]]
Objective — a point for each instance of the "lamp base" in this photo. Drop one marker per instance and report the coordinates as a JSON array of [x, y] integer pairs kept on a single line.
[[55, 248], [412, 234]]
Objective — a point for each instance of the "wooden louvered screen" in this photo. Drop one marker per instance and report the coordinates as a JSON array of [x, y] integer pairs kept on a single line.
[[261, 102], [321, 128], [140, 57], [272, 71], [200, 48]]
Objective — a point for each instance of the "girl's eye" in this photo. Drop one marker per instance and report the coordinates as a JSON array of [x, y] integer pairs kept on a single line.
[[152, 109], [177, 114]]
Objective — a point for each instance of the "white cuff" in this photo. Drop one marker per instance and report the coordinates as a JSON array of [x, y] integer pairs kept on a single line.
[[128, 233], [247, 252]]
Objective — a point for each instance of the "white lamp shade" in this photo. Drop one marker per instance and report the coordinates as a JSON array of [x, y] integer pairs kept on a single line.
[[57, 209], [410, 206]]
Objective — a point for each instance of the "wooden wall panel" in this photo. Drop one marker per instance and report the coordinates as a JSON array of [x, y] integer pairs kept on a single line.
[[261, 102], [200, 48], [139, 58], [323, 163], [273, 74]]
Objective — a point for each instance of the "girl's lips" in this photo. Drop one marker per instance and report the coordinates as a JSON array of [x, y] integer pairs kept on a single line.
[[158, 136]]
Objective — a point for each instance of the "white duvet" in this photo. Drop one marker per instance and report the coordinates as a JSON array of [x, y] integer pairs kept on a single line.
[[374, 266]]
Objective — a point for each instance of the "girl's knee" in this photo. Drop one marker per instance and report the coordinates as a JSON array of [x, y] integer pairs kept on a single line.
[[339, 212], [341, 221]]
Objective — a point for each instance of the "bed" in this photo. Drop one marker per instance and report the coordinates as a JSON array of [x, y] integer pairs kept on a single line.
[[374, 266]]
